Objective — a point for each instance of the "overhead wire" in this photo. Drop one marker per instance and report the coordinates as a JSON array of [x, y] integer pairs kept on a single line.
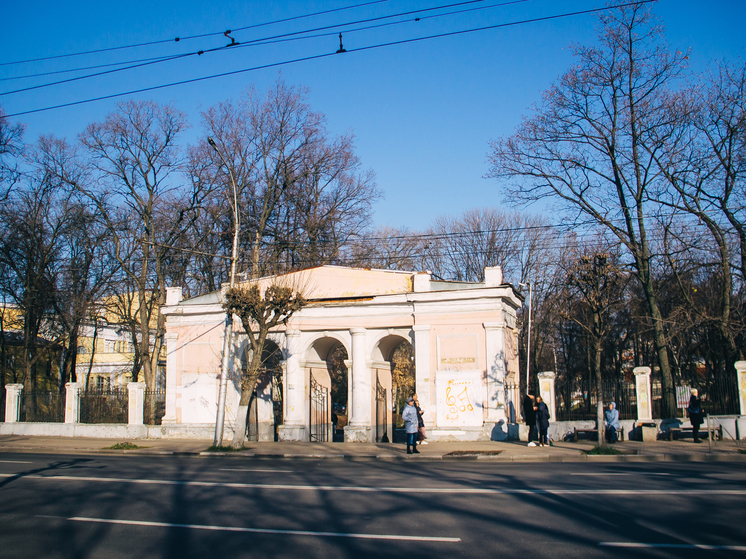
[[298, 35], [320, 56], [190, 37]]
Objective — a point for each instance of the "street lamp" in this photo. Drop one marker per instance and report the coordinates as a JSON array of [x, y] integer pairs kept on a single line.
[[220, 420], [528, 349]]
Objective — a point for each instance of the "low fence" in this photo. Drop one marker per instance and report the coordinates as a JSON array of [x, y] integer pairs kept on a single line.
[[576, 400], [42, 407], [104, 406]]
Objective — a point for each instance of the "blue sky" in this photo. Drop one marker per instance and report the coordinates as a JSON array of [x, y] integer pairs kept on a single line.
[[422, 113]]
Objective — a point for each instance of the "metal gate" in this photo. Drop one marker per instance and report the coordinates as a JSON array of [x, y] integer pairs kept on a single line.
[[252, 418], [319, 408], [277, 407], [382, 424]]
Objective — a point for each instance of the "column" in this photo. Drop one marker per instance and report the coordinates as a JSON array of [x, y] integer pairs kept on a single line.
[[295, 420], [360, 408], [13, 394], [741, 379], [546, 391], [72, 402], [135, 402], [496, 368], [644, 394], [422, 371], [171, 364]]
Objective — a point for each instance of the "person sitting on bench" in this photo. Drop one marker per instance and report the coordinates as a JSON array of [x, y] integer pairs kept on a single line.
[[612, 423]]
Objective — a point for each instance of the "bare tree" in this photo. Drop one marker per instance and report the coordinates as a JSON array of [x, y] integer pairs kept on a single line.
[[11, 145], [134, 184], [588, 146], [260, 310], [595, 284]]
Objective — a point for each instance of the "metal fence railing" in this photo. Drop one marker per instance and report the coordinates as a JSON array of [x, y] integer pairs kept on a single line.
[[104, 406], [155, 407], [42, 407], [2, 406], [576, 400]]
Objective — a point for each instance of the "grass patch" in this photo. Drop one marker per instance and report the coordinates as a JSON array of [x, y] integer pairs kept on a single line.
[[474, 453], [124, 446], [224, 448], [742, 450], [603, 450]]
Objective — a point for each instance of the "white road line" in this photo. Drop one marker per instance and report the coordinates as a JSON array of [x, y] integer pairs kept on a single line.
[[249, 470], [267, 530], [14, 462], [618, 474], [639, 545], [353, 489]]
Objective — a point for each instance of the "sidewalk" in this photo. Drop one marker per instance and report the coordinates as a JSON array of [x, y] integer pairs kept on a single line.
[[491, 451]]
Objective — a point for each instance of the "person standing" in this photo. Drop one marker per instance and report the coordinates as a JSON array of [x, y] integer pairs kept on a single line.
[[411, 426], [542, 420], [612, 423], [695, 413], [529, 416], [421, 434]]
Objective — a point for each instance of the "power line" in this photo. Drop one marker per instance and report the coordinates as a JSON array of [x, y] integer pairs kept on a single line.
[[203, 35], [272, 40], [320, 56]]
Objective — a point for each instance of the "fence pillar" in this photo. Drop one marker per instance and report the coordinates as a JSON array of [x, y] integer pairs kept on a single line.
[[13, 394], [546, 391], [72, 402], [135, 402], [741, 379], [644, 394]]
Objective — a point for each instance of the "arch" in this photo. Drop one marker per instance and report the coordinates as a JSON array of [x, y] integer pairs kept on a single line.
[[386, 391]]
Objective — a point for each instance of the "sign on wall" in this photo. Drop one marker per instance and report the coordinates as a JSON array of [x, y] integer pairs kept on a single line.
[[459, 398]]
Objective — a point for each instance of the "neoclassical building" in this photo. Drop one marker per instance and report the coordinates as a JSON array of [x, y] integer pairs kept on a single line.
[[462, 334]]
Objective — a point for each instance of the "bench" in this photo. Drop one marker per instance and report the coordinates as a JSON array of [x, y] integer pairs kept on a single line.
[[619, 433], [717, 432]]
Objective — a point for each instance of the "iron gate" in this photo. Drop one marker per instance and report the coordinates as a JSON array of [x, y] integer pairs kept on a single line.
[[319, 407], [381, 415]]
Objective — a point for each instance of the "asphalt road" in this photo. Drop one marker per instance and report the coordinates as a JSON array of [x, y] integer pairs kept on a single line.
[[125, 506]]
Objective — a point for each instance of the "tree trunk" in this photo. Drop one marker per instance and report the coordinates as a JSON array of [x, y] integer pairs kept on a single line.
[[239, 431]]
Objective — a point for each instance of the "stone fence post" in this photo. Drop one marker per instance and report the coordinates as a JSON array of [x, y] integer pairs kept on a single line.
[[546, 391], [741, 379], [135, 402], [644, 394], [13, 394], [72, 402]]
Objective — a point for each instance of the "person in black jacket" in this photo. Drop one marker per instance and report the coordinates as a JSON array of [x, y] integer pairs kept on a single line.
[[529, 416], [695, 414], [542, 420]]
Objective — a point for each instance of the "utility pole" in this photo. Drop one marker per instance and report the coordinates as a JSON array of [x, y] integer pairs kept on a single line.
[[528, 349], [220, 419]]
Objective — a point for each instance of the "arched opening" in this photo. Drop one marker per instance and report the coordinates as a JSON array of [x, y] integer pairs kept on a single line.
[[393, 380], [329, 389], [265, 412]]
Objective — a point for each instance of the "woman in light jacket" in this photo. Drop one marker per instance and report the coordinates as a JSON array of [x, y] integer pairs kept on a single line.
[[411, 426], [612, 423]]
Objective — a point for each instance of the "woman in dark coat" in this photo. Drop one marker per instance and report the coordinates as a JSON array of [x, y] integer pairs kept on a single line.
[[542, 420], [695, 414]]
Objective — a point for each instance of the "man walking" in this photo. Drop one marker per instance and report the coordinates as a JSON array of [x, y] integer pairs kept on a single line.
[[411, 426]]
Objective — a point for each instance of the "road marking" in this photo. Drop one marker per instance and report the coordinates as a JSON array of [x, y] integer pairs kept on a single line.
[[618, 474], [14, 462], [674, 546], [249, 470], [267, 530], [354, 489]]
